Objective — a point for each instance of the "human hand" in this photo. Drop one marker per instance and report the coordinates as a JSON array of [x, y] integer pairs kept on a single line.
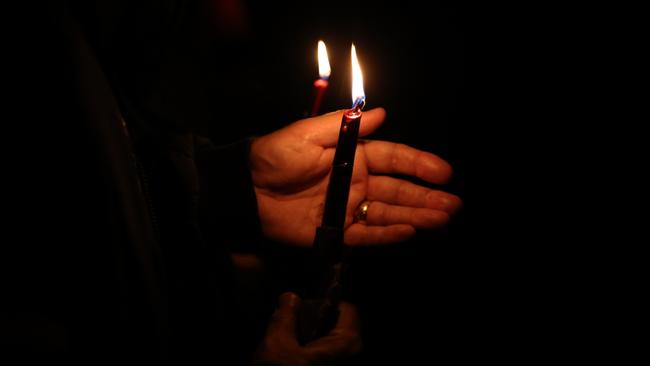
[[280, 345], [291, 167]]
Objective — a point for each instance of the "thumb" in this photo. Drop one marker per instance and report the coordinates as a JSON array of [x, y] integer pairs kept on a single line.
[[283, 321], [324, 130]]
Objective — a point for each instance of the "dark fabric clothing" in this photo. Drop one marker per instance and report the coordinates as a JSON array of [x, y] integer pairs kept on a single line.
[[121, 214]]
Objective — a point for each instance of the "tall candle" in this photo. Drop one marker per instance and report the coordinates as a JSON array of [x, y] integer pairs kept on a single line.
[[339, 185], [320, 308]]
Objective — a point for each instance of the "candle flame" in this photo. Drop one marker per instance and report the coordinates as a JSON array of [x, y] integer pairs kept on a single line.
[[323, 62], [357, 80]]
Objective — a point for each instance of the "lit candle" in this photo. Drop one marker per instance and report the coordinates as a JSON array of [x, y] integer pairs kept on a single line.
[[320, 308], [339, 184], [321, 84]]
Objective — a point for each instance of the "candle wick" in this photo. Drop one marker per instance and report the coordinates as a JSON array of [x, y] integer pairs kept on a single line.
[[359, 103]]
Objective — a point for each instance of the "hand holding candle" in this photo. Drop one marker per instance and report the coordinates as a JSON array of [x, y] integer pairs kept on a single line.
[[293, 169]]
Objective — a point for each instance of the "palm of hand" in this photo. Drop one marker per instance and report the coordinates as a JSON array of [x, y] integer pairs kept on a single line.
[[294, 188], [290, 170]]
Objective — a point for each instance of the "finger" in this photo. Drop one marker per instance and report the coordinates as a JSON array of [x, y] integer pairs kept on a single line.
[[381, 214], [400, 192], [324, 130], [344, 340], [360, 235], [348, 318], [283, 322], [391, 158]]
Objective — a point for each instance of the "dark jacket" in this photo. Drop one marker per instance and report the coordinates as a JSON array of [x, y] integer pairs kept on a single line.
[[122, 215]]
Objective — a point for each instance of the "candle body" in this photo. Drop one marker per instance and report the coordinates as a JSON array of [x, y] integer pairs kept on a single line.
[[320, 86], [320, 306], [328, 243], [338, 189]]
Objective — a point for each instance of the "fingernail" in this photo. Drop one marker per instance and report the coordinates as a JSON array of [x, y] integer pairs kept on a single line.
[[447, 203], [289, 299], [452, 204]]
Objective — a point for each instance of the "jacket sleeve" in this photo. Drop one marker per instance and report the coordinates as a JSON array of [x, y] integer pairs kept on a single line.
[[227, 202]]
